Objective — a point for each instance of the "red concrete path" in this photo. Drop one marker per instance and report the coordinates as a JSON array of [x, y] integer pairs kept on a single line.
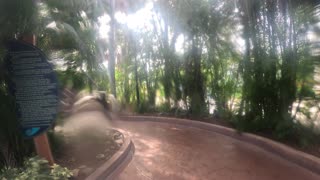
[[165, 151]]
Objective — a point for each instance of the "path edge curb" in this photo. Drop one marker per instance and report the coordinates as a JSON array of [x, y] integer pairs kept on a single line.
[[114, 166], [304, 160]]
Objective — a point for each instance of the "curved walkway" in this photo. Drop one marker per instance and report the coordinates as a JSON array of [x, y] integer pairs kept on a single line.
[[166, 151]]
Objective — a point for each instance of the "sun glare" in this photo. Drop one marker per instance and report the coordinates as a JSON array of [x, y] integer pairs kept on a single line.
[[141, 20], [104, 26], [179, 44]]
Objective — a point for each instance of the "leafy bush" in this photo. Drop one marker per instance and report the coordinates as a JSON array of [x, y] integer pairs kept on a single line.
[[144, 107], [13, 148], [165, 107], [306, 136], [285, 130], [72, 79], [37, 169]]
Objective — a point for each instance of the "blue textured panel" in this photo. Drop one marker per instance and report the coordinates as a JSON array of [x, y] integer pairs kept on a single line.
[[34, 85]]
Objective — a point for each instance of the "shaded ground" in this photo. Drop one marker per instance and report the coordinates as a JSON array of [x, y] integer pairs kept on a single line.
[[83, 154], [85, 140], [166, 151]]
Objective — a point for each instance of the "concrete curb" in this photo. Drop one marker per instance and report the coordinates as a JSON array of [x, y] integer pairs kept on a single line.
[[114, 166], [302, 159]]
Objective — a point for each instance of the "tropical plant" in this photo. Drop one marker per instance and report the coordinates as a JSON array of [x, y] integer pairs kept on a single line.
[[36, 168]]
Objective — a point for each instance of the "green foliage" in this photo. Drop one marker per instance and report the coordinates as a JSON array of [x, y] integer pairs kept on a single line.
[[72, 79], [165, 107], [285, 129], [198, 108], [15, 23], [144, 107], [306, 136], [13, 148], [297, 134], [273, 79], [58, 172], [35, 168], [307, 92]]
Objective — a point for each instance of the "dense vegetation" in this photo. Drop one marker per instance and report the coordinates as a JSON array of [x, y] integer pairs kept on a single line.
[[36, 168], [246, 61]]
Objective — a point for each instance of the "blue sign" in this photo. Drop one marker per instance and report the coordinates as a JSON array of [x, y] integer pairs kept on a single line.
[[34, 85]]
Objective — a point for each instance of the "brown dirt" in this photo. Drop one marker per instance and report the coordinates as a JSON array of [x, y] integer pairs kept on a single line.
[[77, 151]]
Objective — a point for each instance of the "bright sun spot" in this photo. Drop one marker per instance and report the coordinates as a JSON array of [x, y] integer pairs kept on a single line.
[[237, 40], [105, 64], [179, 44], [139, 20], [52, 25], [121, 17], [104, 27], [312, 37]]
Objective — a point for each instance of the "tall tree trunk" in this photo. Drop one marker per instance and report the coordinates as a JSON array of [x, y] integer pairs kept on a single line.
[[112, 50], [245, 64], [150, 87], [198, 104], [166, 55], [289, 64], [137, 81], [90, 85]]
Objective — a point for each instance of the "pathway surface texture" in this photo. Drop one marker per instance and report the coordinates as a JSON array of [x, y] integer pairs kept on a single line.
[[165, 151], [171, 152]]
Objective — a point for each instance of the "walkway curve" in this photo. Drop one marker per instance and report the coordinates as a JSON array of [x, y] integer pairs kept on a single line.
[[168, 151]]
